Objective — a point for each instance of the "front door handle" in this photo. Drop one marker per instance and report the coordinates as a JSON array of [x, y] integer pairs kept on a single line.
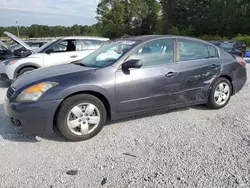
[[214, 66], [73, 56], [171, 74]]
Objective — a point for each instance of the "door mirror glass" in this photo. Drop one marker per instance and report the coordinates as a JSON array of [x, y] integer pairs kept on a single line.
[[133, 63], [49, 51]]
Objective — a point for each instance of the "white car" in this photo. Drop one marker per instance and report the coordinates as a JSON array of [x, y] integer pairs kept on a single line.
[[60, 51]]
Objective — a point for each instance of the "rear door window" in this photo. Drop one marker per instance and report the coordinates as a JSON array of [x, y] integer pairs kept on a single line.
[[192, 50], [89, 44]]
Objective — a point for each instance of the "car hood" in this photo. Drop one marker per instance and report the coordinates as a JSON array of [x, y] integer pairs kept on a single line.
[[18, 40], [3, 46], [47, 74]]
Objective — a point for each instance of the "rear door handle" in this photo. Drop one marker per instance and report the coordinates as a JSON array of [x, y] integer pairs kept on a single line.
[[171, 74], [73, 56], [213, 66]]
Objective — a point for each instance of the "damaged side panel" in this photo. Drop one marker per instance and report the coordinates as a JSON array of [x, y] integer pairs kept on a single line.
[[196, 78]]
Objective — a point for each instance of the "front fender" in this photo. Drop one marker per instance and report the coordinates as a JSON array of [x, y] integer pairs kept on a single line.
[[11, 70], [88, 88], [25, 65]]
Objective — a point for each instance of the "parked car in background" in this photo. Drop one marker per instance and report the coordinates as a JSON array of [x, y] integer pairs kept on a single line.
[[4, 41], [127, 77], [61, 51], [18, 49], [5, 53], [232, 47], [34, 44]]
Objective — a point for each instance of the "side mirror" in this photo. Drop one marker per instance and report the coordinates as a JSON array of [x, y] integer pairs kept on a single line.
[[49, 51], [133, 63]]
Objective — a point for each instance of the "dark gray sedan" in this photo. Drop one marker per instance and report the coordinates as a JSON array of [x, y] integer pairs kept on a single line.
[[124, 78]]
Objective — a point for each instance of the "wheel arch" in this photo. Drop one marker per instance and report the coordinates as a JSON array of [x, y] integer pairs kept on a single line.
[[229, 78], [20, 67], [226, 76], [97, 94]]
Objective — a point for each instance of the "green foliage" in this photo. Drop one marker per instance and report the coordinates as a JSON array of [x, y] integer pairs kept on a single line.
[[184, 32], [53, 31], [137, 17], [207, 19], [210, 37], [245, 38]]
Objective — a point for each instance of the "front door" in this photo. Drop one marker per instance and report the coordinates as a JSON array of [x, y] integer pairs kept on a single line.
[[153, 85], [61, 53], [198, 64]]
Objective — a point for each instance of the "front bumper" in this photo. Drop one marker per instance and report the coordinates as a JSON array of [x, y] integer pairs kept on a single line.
[[33, 117]]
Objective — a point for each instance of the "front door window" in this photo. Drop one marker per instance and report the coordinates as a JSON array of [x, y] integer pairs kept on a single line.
[[63, 46], [156, 53]]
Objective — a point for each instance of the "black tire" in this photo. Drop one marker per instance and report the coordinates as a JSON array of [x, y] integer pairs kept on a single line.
[[211, 100], [65, 108], [23, 70]]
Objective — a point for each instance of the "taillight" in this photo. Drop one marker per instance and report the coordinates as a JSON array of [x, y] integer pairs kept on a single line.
[[241, 61]]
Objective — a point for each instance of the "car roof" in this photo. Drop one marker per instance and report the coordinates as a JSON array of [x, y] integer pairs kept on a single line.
[[144, 38], [34, 41], [84, 37]]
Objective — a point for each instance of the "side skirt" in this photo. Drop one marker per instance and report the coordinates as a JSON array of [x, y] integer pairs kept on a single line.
[[115, 116]]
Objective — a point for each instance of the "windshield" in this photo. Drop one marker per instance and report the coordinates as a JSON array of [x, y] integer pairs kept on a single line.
[[108, 54], [38, 50]]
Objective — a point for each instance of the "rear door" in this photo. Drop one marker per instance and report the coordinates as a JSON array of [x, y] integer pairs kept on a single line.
[[61, 52], [198, 65], [153, 85], [87, 46]]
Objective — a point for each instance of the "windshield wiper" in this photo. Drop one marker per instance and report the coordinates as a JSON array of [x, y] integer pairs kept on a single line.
[[78, 63]]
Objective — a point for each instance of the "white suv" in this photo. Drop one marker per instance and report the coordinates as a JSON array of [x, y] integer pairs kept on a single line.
[[60, 51]]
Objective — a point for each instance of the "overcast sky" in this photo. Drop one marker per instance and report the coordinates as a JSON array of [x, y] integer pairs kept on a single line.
[[47, 12]]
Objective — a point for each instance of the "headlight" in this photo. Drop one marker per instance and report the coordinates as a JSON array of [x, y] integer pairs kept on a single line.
[[9, 62], [34, 92]]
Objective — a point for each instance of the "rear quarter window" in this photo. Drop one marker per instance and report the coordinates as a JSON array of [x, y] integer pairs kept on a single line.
[[213, 53], [89, 44]]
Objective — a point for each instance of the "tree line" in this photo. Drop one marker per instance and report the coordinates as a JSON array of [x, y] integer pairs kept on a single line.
[[200, 18], [51, 31]]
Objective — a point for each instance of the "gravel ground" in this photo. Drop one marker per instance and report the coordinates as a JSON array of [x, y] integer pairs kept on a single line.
[[189, 147]]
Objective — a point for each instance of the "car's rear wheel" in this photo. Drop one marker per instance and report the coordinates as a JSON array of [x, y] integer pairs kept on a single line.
[[220, 93], [81, 117], [24, 70]]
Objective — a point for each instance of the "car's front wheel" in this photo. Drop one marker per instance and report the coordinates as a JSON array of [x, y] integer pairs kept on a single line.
[[25, 70], [81, 117], [220, 93]]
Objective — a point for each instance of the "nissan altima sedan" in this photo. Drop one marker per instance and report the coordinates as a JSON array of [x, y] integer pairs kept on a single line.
[[127, 77]]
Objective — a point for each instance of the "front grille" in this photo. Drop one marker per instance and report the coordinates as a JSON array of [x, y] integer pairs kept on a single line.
[[10, 92]]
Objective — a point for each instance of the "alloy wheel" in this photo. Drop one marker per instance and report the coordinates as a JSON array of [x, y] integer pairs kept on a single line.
[[83, 119], [222, 93]]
